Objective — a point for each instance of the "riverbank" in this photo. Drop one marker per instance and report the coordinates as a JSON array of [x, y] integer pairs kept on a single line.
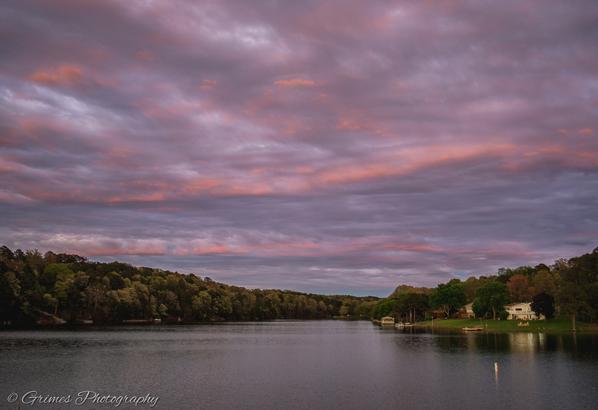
[[535, 326]]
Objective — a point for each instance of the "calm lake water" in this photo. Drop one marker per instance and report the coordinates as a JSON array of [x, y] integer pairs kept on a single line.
[[303, 365]]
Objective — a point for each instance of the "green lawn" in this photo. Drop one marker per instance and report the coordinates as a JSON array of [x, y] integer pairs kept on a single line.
[[555, 325]]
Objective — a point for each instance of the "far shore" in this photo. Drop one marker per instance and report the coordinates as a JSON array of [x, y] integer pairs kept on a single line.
[[497, 326], [151, 323]]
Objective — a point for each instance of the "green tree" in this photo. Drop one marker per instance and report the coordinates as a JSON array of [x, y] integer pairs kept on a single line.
[[572, 301], [449, 297], [98, 307], [202, 306], [545, 282], [10, 291], [491, 298], [162, 310], [125, 304], [64, 279], [222, 306], [385, 307], [576, 286], [112, 292]]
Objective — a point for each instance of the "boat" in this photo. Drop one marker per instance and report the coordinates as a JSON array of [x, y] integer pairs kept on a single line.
[[473, 329], [48, 319], [402, 325], [387, 321], [84, 322]]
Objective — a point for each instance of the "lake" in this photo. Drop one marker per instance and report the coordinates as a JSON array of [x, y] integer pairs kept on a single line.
[[302, 365]]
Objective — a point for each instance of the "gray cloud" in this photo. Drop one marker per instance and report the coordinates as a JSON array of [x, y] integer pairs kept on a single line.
[[318, 146]]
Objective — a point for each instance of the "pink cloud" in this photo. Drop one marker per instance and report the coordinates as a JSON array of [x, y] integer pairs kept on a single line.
[[64, 75], [113, 251], [215, 249], [149, 197], [295, 82], [408, 161]]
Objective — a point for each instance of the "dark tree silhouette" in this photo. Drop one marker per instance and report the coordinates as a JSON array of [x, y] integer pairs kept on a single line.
[[543, 304]]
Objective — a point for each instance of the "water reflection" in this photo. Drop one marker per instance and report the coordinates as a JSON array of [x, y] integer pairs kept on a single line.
[[308, 365], [496, 373], [525, 370], [583, 346]]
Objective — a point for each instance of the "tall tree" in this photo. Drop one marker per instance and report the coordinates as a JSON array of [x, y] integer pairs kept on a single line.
[[449, 297], [545, 281], [412, 305], [571, 301], [578, 277], [519, 288], [491, 298], [543, 304]]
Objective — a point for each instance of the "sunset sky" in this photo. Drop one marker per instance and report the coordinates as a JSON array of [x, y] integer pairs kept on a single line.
[[323, 146]]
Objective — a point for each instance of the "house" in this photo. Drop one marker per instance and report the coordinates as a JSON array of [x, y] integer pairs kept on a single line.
[[469, 310], [387, 321], [522, 311], [466, 312]]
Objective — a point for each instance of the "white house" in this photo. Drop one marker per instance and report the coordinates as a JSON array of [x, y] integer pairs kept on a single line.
[[522, 311], [469, 310]]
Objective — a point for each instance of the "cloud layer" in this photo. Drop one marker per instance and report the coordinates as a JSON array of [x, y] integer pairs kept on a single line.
[[320, 146]]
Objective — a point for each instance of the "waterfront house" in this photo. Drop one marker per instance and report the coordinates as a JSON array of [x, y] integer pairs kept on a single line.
[[466, 312], [522, 311], [387, 321], [469, 311]]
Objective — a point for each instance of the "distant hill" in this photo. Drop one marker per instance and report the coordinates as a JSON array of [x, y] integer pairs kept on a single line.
[[56, 288]]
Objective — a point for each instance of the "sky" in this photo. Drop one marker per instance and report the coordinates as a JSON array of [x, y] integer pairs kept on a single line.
[[320, 146]]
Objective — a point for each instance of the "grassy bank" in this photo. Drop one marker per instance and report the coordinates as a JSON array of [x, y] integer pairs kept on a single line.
[[556, 325]]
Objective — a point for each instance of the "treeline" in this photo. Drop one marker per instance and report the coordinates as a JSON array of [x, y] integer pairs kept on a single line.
[[566, 288], [71, 288], [56, 287]]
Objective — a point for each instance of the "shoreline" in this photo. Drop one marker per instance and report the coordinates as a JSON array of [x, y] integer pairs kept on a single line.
[[509, 326], [145, 324]]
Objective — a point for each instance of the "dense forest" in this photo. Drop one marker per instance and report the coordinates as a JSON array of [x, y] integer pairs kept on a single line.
[[566, 288], [56, 288]]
